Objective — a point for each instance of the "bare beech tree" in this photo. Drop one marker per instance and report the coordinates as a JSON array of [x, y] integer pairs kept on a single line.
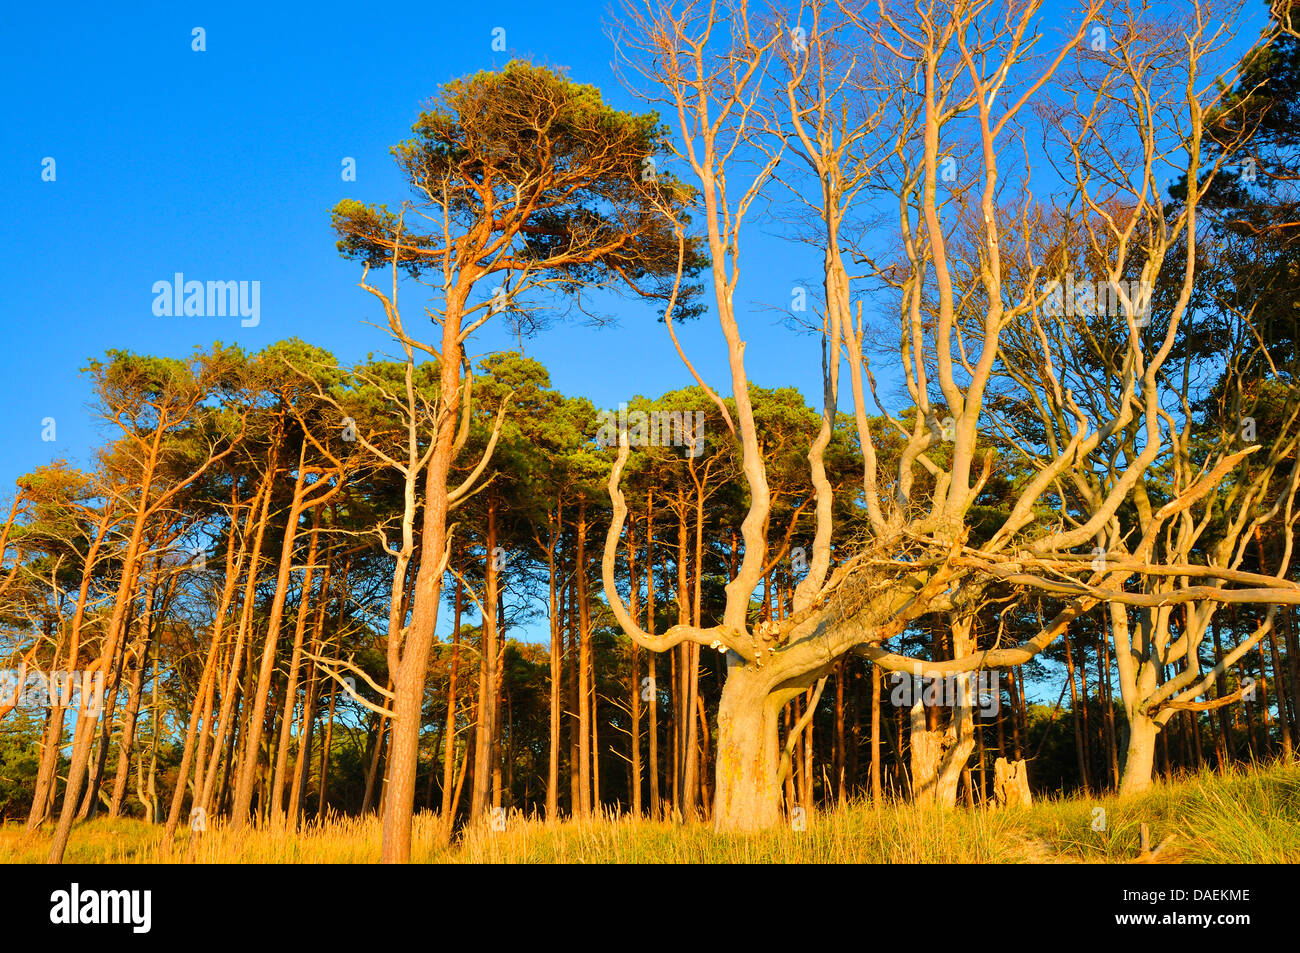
[[1137, 115], [973, 276]]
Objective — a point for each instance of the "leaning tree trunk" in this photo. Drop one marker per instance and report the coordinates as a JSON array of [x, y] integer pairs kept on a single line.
[[748, 789], [126, 742]]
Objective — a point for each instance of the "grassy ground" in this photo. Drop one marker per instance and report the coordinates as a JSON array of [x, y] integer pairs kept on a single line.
[[1247, 817]]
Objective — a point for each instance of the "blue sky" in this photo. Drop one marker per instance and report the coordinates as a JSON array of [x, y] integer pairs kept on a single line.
[[224, 164]]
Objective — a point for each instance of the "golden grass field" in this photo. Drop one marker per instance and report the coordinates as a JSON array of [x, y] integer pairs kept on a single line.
[[1249, 816]]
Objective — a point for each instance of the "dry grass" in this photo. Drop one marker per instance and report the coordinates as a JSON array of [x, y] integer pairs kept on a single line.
[[1250, 816]]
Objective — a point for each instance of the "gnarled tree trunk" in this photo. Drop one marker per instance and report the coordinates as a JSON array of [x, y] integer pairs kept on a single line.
[[748, 790], [1140, 758]]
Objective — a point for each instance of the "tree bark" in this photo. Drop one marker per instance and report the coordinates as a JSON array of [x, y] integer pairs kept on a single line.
[[1140, 757], [747, 792], [126, 742], [485, 737], [413, 654], [555, 525], [875, 735], [447, 814], [634, 681], [583, 807], [253, 746], [1079, 727], [939, 757], [278, 779], [656, 806]]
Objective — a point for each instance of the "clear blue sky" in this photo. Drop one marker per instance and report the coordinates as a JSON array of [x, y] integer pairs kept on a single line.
[[224, 164]]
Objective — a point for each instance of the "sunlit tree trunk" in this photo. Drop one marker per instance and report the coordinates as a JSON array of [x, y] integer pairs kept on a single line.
[[247, 772], [126, 742], [52, 743], [84, 732], [224, 734], [485, 736], [748, 792], [634, 682], [875, 735], [447, 816], [278, 779], [302, 760], [656, 806], [555, 526], [583, 806], [1079, 727]]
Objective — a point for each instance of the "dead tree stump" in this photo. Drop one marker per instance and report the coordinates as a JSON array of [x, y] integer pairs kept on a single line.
[[1011, 784]]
